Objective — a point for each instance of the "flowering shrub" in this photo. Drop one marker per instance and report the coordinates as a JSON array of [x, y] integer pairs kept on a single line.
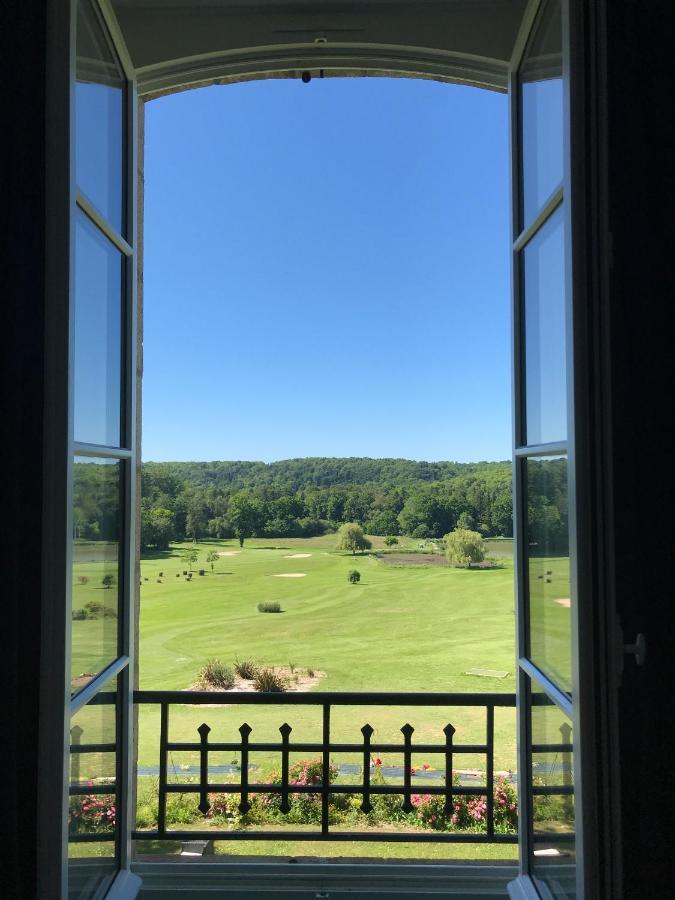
[[305, 807], [91, 813], [469, 812]]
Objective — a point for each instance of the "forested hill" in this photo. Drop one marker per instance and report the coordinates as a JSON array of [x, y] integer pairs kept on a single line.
[[307, 497], [316, 472]]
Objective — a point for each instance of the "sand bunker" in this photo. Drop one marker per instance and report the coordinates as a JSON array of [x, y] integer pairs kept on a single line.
[[229, 552], [290, 575], [297, 556], [564, 601]]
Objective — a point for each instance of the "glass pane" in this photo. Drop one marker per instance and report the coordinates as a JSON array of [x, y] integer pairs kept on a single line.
[[96, 567], [92, 808], [549, 568], [99, 107], [541, 97], [545, 362], [553, 799], [98, 333]]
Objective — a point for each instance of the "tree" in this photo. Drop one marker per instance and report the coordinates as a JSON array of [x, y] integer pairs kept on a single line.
[[212, 557], [245, 514], [464, 547], [107, 581], [351, 537], [354, 577], [391, 540], [189, 557], [157, 527]]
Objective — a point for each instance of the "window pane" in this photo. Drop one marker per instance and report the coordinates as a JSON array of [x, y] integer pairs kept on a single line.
[[98, 332], [99, 97], [553, 801], [96, 567], [545, 363], [541, 96], [92, 808], [549, 568]]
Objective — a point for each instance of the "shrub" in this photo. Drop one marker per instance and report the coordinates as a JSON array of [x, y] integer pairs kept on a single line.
[[354, 577], [215, 674], [91, 812], [310, 673], [79, 614], [161, 574], [245, 668], [269, 681], [270, 606], [94, 609], [201, 571], [83, 579]]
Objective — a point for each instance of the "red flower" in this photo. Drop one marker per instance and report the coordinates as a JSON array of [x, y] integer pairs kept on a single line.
[[378, 761], [425, 766]]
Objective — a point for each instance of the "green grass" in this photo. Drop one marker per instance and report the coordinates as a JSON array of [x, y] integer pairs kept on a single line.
[[407, 629], [413, 628]]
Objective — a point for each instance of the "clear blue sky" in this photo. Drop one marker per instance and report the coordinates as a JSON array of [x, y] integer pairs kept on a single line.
[[327, 272]]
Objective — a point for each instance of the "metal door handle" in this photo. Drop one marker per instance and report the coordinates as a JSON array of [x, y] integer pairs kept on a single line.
[[638, 649]]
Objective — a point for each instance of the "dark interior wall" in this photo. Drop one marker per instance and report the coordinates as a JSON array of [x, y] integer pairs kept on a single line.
[[22, 48], [641, 182]]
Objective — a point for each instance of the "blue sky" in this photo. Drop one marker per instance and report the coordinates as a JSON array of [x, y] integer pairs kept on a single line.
[[327, 272]]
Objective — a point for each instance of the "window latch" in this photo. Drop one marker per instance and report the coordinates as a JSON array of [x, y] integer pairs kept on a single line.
[[638, 649]]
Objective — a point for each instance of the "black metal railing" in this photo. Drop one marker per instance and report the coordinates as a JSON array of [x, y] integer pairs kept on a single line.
[[367, 748]]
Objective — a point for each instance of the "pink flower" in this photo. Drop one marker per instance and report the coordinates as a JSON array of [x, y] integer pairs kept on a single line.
[[425, 766], [413, 771]]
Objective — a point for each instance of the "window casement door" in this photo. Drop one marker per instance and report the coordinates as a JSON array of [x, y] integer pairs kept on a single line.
[[557, 517], [90, 505]]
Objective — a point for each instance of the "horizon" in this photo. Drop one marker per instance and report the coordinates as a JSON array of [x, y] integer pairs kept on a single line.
[[272, 462]]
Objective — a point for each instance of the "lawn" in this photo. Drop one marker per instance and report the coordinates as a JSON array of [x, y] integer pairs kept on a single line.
[[401, 628]]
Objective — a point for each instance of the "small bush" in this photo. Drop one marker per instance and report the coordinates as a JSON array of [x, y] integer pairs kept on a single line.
[[177, 574], [310, 673], [269, 681], [83, 579], [79, 614], [216, 674], [245, 668], [159, 581], [184, 571], [354, 577], [94, 609], [271, 606], [161, 574], [201, 571]]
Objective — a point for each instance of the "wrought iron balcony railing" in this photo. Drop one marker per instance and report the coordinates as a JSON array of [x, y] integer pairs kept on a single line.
[[368, 748]]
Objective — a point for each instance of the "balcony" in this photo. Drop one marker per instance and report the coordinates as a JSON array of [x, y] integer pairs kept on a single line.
[[333, 786]]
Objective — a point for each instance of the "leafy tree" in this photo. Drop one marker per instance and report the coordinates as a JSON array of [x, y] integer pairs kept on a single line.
[[466, 521], [391, 540], [211, 557], [383, 522], [245, 515], [354, 577], [189, 557], [351, 537], [107, 581], [157, 526], [464, 547]]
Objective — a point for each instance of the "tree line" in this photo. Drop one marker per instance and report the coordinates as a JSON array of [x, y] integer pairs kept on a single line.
[[194, 501], [189, 501]]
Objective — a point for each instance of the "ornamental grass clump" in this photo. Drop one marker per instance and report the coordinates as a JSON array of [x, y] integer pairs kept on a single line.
[[269, 681], [245, 668], [216, 674], [269, 606]]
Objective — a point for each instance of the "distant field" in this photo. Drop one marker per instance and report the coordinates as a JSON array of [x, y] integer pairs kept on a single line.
[[408, 629]]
